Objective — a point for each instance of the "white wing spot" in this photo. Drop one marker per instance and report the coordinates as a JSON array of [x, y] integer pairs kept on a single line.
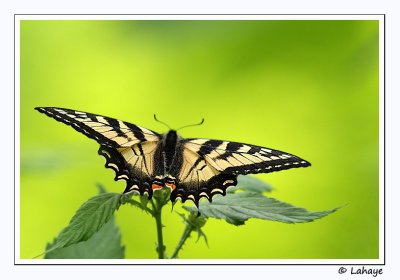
[[134, 187], [60, 111], [204, 194], [217, 190], [223, 145], [228, 182], [102, 120], [266, 150], [244, 149], [113, 165]]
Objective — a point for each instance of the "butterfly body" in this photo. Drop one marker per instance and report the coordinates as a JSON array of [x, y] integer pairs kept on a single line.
[[192, 168], [170, 141]]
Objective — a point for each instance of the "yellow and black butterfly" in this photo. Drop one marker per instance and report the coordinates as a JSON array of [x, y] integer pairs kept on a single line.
[[192, 168]]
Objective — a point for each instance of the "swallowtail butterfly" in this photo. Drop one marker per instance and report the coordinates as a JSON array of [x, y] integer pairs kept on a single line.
[[192, 168]]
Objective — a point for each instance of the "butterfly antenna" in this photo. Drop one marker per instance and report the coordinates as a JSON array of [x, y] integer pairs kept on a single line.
[[157, 120], [196, 124]]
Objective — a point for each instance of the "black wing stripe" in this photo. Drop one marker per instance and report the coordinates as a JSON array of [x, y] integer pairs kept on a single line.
[[233, 146], [137, 132], [195, 164], [144, 158], [209, 146], [254, 150], [115, 124], [220, 145]]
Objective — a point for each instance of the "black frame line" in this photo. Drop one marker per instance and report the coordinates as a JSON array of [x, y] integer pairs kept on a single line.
[[226, 264], [199, 14]]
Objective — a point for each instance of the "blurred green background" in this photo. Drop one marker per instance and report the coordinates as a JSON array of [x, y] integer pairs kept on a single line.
[[305, 87]]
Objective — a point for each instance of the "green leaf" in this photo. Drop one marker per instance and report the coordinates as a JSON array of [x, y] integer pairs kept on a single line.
[[162, 196], [89, 218], [101, 188], [104, 244], [144, 200], [236, 208], [250, 184]]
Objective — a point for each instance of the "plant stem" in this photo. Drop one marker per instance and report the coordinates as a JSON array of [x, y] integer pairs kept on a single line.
[[185, 235], [157, 216]]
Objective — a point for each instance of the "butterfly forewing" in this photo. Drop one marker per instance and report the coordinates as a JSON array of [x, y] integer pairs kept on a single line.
[[106, 131], [238, 158]]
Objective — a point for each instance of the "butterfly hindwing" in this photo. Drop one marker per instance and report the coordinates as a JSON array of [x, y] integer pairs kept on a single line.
[[196, 178], [136, 166]]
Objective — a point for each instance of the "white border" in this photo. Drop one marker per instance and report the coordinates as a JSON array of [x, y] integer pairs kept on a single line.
[[17, 148], [205, 261], [197, 17], [381, 260], [382, 139]]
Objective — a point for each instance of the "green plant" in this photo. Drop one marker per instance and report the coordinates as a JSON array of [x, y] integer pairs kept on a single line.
[[92, 232]]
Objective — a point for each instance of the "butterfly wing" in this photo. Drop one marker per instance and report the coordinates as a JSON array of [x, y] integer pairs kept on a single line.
[[106, 131], [210, 166], [238, 158], [194, 177], [129, 149]]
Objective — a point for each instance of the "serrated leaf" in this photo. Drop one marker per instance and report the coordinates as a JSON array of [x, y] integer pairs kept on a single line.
[[236, 208], [104, 244], [101, 188], [126, 197], [89, 218], [250, 184]]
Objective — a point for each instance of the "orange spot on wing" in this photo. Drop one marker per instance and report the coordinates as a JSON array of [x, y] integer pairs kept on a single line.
[[156, 187], [172, 186]]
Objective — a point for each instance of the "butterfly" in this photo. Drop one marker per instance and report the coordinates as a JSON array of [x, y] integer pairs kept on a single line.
[[192, 168]]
